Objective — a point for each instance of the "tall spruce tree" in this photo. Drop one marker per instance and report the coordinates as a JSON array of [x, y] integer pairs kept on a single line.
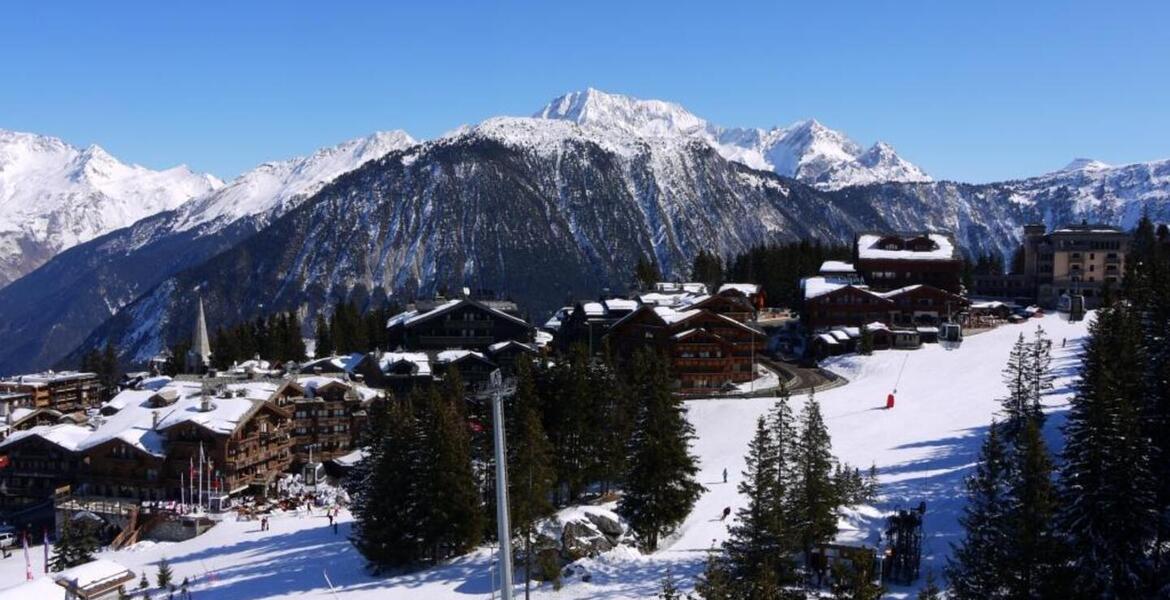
[[530, 472], [1018, 404], [324, 339], [1039, 372], [815, 502], [1108, 507], [758, 535], [384, 489], [451, 516], [660, 484], [976, 570], [1035, 552]]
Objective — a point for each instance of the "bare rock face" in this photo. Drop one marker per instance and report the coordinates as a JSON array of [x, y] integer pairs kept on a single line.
[[581, 532], [581, 539]]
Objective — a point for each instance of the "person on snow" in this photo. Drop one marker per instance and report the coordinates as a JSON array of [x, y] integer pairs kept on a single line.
[[726, 512], [724, 474]]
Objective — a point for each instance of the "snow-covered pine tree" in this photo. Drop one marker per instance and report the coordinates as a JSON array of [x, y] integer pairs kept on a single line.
[[164, 574], [815, 501], [976, 567], [1108, 510], [865, 342], [76, 545], [660, 484]]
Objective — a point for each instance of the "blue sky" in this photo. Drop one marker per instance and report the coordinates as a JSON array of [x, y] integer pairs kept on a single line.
[[974, 91]]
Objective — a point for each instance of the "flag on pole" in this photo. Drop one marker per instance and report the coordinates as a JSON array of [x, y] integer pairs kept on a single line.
[[46, 544], [27, 558]]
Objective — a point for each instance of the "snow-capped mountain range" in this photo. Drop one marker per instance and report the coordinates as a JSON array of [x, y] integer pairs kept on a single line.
[[806, 150], [50, 310], [54, 196], [544, 207]]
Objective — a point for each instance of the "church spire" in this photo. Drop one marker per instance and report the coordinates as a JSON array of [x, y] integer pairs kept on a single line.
[[200, 343]]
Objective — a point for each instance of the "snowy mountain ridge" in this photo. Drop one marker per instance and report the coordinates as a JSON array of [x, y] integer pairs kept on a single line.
[[54, 196], [275, 187], [806, 150]]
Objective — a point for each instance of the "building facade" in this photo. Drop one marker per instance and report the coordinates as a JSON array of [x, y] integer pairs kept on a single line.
[[888, 261]]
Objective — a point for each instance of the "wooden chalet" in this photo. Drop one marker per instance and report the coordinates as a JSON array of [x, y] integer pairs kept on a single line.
[[329, 415], [707, 351], [463, 323], [64, 391]]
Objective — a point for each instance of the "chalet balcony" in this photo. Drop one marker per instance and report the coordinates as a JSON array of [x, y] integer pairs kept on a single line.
[[454, 341]]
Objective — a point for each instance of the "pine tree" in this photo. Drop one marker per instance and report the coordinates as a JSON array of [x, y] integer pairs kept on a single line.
[[707, 268], [384, 489], [855, 581], [567, 410], [324, 345], [668, 590], [865, 343], [76, 545], [977, 564], [815, 503], [1034, 551], [451, 520], [758, 534], [715, 581], [930, 591], [530, 474], [1018, 406], [1039, 372], [165, 575], [1108, 503], [647, 273], [660, 485]]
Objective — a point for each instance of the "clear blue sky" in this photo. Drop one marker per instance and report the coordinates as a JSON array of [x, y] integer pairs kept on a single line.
[[977, 92]]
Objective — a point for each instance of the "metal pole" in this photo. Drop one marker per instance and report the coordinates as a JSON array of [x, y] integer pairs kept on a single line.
[[505, 529]]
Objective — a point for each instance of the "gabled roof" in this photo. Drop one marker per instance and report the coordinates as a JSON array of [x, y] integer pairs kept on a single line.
[[869, 246], [747, 289], [411, 318], [67, 436]]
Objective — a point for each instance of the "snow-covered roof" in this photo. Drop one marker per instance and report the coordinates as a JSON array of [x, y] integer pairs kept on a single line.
[[620, 304], [839, 335], [877, 326], [498, 346], [344, 363], [21, 412], [868, 248], [853, 332], [449, 356], [927, 329], [899, 291], [314, 382], [687, 287], [48, 377], [819, 286], [828, 339], [542, 339], [837, 266], [421, 361], [747, 289], [410, 317], [94, 573], [671, 316], [593, 309], [351, 459], [67, 436]]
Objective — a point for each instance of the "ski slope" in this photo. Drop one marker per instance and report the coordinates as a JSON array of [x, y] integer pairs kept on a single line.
[[923, 448]]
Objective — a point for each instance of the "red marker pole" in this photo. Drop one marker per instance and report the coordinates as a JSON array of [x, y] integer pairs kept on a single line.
[[889, 401]]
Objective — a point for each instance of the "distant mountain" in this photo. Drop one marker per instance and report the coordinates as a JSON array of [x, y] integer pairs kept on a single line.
[[806, 150], [540, 210], [544, 209], [46, 313], [54, 196]]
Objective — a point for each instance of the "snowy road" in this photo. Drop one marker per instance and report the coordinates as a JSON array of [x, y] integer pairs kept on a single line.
[[922, 448]]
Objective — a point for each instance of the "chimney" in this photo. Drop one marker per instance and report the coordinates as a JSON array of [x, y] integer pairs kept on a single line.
[[154, 420], [205, 403]]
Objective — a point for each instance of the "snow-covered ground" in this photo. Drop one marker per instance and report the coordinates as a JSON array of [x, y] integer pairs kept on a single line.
[[923, 448]]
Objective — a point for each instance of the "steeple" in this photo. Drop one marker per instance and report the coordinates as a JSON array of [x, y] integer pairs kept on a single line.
[[200, 355]]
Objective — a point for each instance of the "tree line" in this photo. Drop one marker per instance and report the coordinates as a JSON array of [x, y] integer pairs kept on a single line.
[[577, 427], [794, 489], [1093, 522]]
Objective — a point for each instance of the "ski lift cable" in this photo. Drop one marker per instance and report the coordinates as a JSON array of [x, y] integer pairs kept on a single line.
[[899, 379]]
